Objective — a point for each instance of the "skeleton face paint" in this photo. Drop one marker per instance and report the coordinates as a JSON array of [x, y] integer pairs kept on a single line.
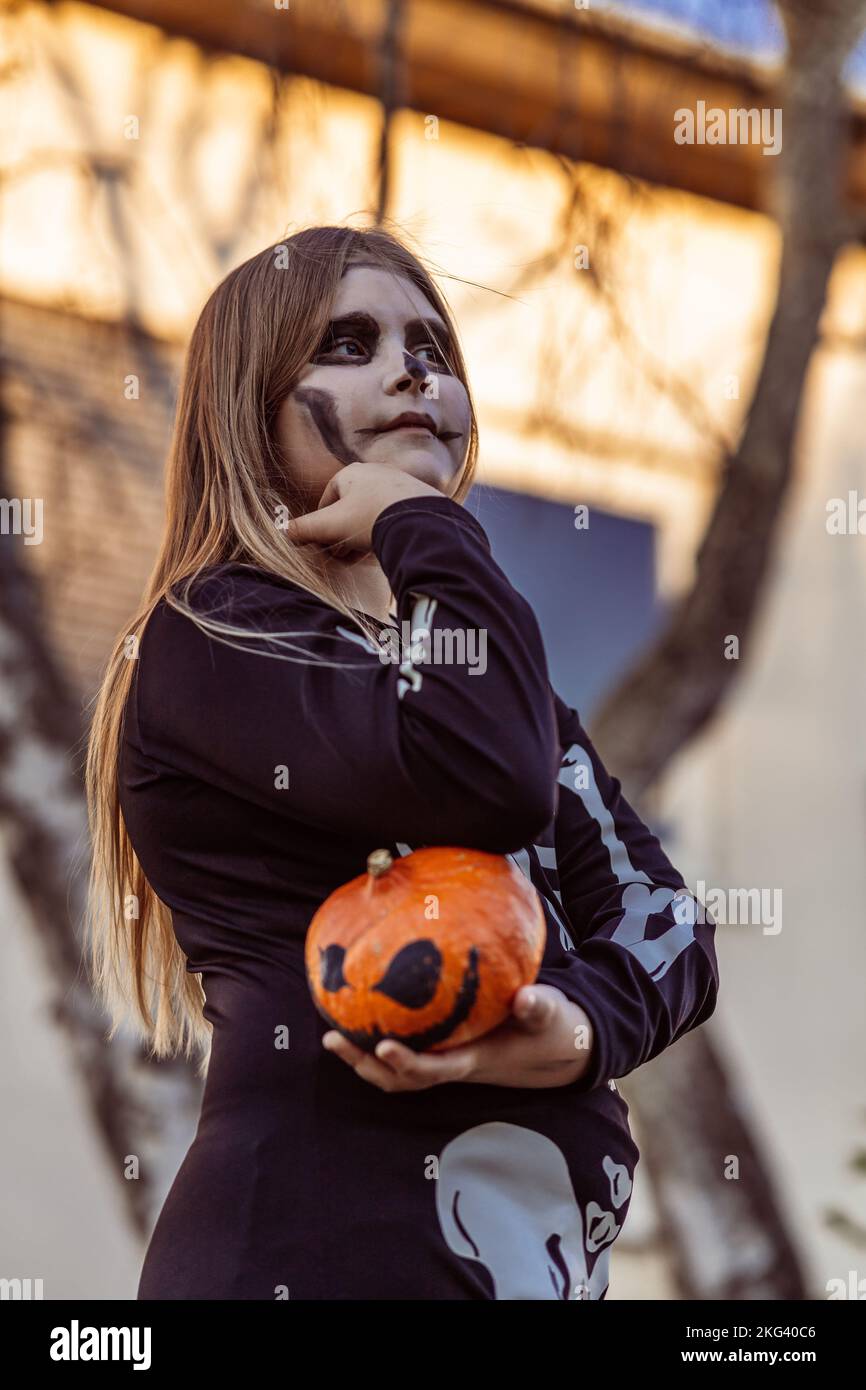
[[385, 355], [419, 371], [323, 409]]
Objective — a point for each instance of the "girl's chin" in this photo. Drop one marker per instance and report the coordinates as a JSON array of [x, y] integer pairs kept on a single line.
[[430, 463]]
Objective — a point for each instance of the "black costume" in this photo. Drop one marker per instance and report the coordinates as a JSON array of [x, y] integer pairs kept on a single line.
[[251, 787]]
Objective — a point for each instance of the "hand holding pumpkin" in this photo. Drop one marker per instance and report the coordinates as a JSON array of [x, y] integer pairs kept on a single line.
[[536, 1047], [421, 987]]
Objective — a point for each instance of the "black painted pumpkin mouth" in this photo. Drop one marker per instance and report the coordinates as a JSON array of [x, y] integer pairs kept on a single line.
[[408, 977]]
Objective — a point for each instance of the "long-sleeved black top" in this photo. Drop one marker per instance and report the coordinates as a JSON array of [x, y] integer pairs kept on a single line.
[[251, 787]]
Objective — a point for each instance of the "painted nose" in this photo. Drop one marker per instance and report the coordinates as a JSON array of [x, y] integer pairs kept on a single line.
[[418, 370], [406, 372]]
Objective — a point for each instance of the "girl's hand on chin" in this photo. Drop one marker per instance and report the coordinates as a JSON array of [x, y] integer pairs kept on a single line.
[[350, 505], [547, 1041]]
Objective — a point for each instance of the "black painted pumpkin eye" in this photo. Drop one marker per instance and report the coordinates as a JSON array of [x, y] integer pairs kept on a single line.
[[412, 977], [331, 968]]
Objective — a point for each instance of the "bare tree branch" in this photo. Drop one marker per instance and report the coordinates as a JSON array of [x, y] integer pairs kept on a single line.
[[390, 86], [679, 683], [688, 1115]]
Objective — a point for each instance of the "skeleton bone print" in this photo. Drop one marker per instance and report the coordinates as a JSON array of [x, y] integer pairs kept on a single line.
[[505, 1198], [418, 648]]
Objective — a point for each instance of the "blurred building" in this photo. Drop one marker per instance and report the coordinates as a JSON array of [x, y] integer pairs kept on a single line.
[[612, 328]]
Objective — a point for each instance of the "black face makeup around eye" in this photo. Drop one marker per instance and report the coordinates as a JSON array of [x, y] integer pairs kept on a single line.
[[358, 328], [429, 335], [434, 357], [362, 331]]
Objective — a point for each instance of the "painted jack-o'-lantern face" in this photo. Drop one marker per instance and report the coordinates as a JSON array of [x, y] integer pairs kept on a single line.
[[429, 949]]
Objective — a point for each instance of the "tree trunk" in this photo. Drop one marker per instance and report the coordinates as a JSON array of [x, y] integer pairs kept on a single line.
[[729, 1236]]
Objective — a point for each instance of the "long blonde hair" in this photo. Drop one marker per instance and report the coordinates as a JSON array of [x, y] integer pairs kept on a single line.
[[226, 481]]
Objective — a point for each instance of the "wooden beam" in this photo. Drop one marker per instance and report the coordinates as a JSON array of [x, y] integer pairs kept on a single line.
[[602, 92]]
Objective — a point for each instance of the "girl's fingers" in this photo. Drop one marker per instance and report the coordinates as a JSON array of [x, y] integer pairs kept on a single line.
[[422, 1069], [321, 526], [335, 1042], [396, 1067], [326, 526], [329, 495], [532, 1010], [366, 1066]]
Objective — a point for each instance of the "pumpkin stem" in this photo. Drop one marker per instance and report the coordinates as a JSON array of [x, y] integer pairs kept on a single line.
[[379, 862]]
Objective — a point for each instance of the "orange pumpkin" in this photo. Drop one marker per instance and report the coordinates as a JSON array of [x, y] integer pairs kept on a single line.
[[429, 948]]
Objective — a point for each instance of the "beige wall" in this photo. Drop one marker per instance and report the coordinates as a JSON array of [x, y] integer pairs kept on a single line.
[[775, 797], [63, 1219]]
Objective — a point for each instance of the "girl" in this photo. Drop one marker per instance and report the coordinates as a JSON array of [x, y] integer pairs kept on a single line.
[[250, 747]]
